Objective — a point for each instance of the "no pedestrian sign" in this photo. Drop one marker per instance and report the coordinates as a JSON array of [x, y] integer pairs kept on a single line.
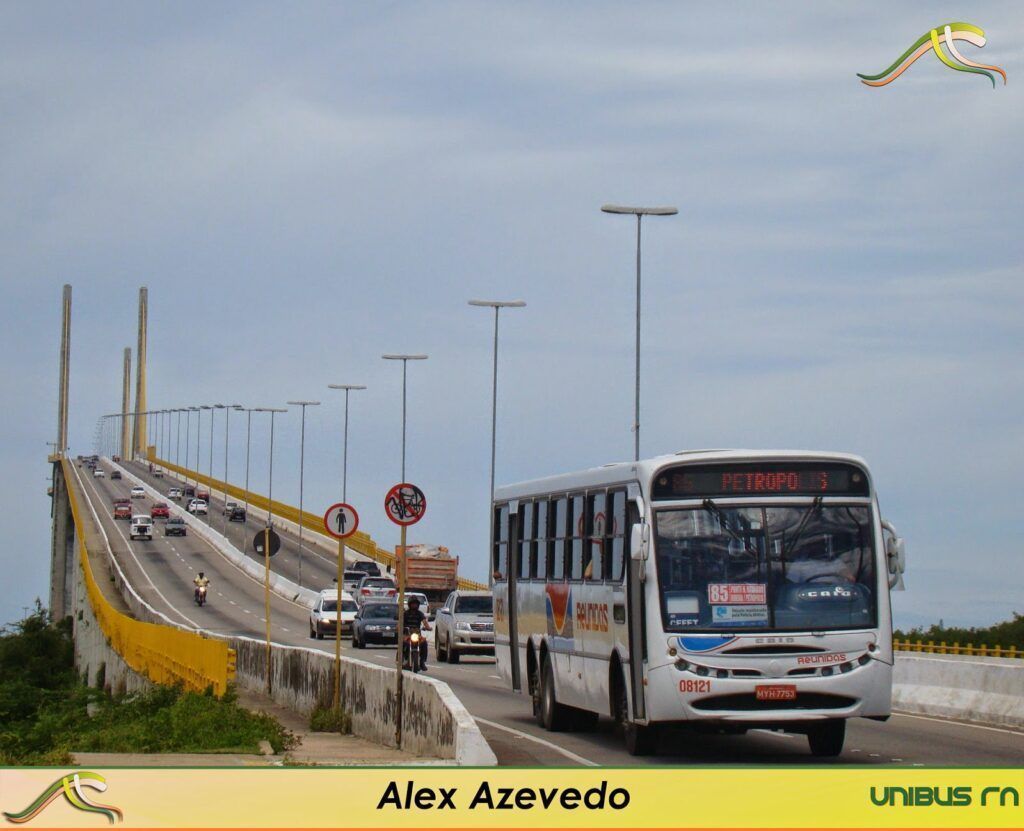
[[341, 520], [405, 504]]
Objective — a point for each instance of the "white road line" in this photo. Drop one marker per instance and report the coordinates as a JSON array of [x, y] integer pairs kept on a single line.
[[961, 724], [550, 745], [232, 602], [247, 611]]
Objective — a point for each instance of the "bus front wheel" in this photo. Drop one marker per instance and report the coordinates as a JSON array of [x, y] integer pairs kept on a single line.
[[640, 740], [826, 739]]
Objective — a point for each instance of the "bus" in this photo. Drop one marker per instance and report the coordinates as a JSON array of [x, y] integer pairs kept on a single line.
[[725, 590]]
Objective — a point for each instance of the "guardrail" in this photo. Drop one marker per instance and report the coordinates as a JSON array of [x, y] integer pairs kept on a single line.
[[162, 654], [943, 648], [360, 541]]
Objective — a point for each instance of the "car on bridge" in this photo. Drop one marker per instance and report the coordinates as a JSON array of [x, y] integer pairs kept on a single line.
[[98, 473], [237, 514], [373, 587], [350, 580], [158, 473], [464, 625], [141, 528], [323, 619], [175, 527], [160, 509], [175, 494], [138, 492], [375, 622], [366, 566], [198, 506], [122, 509], [115, 474], [228, 507]]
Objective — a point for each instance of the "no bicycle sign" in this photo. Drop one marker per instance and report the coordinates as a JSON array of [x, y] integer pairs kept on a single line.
[[405, 504]]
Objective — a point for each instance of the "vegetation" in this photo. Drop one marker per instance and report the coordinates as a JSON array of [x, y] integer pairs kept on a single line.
[[46, 711], [330, 720], [1005, 634]]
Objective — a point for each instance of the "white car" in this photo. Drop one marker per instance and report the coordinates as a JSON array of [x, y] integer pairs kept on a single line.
[[138, 492], [141, 528], [228, 507], [323, 619], [198, 506], [98, 473], [422, 598], [174, 493]]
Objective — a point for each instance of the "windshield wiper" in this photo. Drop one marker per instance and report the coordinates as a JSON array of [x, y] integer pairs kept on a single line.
[[716, 512], [813, 508]]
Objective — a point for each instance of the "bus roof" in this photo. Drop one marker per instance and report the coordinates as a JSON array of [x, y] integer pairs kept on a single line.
[[644, 470]]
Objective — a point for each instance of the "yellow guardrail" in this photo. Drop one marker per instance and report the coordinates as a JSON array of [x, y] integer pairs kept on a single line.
[[359, 541], [943, 648], [163, 654]]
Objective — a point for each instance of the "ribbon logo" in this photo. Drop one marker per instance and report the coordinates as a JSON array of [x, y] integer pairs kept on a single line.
[[932, 42], [70, 786]]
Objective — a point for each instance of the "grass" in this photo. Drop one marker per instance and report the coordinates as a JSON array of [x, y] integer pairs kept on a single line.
[[46, 711], [330, 720]]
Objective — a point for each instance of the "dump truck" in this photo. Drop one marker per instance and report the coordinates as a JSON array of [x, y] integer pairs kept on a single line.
[[431, 570]]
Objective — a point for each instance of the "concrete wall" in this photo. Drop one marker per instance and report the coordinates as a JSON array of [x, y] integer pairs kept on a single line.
[[985, 690], [434, 721]]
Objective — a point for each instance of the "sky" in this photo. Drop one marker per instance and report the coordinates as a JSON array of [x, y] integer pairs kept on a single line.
[[304, 187]]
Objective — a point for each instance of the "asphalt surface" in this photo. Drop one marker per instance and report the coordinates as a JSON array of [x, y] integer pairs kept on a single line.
[[162, 570]]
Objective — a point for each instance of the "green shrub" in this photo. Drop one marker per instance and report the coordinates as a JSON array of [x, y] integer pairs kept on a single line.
[[330, 720]]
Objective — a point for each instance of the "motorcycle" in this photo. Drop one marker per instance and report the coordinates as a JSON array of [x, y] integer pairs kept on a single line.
[[200, 595], [411, 645]]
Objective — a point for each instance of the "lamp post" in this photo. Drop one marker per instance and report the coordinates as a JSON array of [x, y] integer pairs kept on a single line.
[[209, 504], [639, 213], [497, 305], [227, 422], [266, 538], [400, 560], [188, 427], [248, 444], [341, 543], [302, 465]]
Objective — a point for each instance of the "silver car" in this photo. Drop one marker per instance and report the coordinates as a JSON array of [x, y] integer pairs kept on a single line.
[[464, 625], [375, 587]]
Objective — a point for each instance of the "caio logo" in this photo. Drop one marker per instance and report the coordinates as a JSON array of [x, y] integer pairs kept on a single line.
[[71, 788]]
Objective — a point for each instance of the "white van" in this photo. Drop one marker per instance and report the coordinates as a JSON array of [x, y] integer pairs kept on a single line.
[[142, 527]]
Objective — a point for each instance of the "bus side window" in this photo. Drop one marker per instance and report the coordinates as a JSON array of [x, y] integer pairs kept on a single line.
[[539, 566], [525, 538], [593, 557], [558, 554], [500, 555], [618, 531], [577, 529]]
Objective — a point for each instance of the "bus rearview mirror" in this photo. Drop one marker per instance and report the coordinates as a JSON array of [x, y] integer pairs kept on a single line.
[[896, 561], [640, 541]]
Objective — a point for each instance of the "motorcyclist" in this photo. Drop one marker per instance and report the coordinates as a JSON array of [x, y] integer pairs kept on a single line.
[[415, 619], [201, 581]]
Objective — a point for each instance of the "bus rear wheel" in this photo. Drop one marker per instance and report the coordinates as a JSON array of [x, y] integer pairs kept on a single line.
[[826, 739], [552, 715]]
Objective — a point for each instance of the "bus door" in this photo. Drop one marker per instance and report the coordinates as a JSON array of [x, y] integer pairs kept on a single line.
[[637, 611]]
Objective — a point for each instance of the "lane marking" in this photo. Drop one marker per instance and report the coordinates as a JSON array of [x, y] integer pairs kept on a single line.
[[962, 724], [550, 745]]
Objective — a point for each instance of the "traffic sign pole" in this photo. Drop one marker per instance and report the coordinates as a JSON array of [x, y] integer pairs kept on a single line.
[[340, 521], [266, 600], [337, 640], [400, 566]]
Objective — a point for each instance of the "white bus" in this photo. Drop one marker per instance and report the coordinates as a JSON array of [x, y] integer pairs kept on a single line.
[[733, 589]]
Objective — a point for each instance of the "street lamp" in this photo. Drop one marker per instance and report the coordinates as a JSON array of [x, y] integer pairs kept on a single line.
[[497, 305], [302, 465], [341, 544], [400, 564], [405, 362], [266, 538], [248, 443], [227, 421], [639, 213], [188, 428]]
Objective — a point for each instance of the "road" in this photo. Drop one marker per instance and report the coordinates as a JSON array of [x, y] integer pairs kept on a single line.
[[162, 570]]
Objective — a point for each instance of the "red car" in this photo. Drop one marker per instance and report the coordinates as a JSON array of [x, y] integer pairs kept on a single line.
[[160, 509], [122, 509]]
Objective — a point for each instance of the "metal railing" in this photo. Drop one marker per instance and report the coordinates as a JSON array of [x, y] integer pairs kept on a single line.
[[360, 541], [956, 648], [162, 654]]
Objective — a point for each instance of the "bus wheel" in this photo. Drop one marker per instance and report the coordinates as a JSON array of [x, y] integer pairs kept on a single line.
[[553, 716], [826, 739], [640, 739]]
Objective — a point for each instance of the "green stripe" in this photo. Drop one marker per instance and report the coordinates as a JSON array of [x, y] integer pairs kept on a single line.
[[956, 27]]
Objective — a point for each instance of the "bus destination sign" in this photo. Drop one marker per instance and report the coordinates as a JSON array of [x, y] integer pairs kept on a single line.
[[765, 479]]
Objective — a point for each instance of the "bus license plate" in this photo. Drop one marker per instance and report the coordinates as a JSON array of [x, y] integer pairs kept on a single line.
[[775, 692]]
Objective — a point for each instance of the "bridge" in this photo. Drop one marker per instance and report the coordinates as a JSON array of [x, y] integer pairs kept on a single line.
[[133, 612]]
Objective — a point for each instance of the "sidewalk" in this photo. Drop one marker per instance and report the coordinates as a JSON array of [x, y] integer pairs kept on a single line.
[[325, 749]]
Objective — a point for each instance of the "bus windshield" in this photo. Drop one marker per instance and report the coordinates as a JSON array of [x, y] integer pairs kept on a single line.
[[766, 568]]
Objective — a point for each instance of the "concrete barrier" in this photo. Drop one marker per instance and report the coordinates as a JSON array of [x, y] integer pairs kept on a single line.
[[434, 721], [985, 690]]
